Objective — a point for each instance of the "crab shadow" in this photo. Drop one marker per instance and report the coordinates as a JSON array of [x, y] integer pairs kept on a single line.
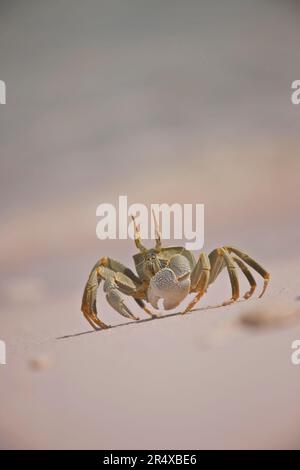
[[144, 320]]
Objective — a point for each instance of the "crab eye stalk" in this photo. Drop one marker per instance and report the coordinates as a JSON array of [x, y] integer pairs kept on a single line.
[[137, 236], [157, 233]]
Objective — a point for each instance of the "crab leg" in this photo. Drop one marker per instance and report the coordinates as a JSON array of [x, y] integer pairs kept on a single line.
[[95, 322], [218, 259], [232, 271], [88, 306], [251, 262], [118, 280], [146, 309], [248, 275], [199, 279]]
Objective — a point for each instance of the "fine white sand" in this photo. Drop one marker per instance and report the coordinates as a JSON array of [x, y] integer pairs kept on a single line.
[[204, 380]]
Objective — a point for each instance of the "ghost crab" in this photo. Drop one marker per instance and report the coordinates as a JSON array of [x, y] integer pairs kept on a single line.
[[169, 274]]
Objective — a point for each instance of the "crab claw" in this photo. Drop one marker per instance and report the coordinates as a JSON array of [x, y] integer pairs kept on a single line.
[[116, 300], [171, 284]]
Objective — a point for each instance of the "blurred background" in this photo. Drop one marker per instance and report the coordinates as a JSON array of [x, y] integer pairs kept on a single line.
[[163, 101]]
